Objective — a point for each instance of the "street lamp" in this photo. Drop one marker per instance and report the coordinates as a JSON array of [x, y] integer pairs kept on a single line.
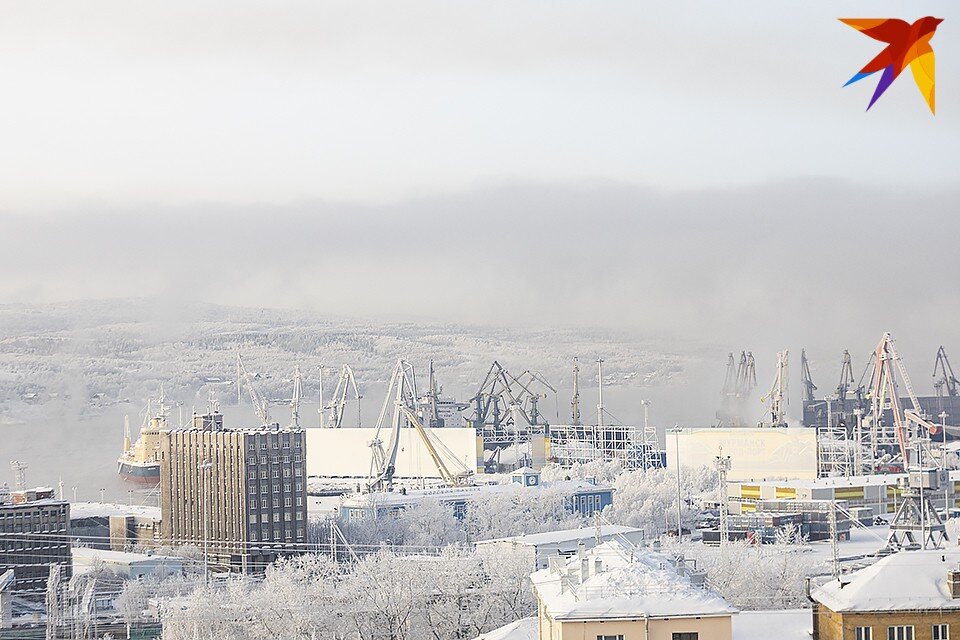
[[206, 466]]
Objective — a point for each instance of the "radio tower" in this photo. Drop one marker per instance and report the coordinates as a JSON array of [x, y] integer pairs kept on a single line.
[[575, 400]]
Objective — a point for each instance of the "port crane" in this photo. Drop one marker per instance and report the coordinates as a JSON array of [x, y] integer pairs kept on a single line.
[[885, 395], [846, 379], [402, 395], [19, 474], [805, 378], [338, 404], [296, 398], [779, 395], [947, 382], [260, 404], [504, 399]]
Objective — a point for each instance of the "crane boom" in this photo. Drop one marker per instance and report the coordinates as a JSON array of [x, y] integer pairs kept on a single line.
[[947, 380], [260, 405], [806, 378]]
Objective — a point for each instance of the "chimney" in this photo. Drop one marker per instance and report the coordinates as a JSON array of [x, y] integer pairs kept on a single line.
[[597, 566], [953, 583]]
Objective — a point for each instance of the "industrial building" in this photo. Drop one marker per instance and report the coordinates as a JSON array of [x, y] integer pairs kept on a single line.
[[755, 452], [240, 494], [540, 547], [580, 496], [911, 595], [881, 493], [133, 566], [34, 535], [113, 526], [618, 591]]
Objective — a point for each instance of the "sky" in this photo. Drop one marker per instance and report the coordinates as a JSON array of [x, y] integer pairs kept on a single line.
[[691, 168]]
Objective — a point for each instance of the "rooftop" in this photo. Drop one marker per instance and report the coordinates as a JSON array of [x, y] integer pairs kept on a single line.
[[459, 493], [106, 509], [629, 583], [88, 555], [523, 629], [565, 535], [908, 580]]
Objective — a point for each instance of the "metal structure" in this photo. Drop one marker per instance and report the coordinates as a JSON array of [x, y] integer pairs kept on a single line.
[[888, 443], [296, 397], [402, 395], [19, 474], [779, 395], [259, 402], [739, 382], [634, 447], [946, 383], [835, 452], [575, 399], [723, 465], [846, 378], [600, 391], [917, 525], [506, 407], [333, 412], [805, 378]]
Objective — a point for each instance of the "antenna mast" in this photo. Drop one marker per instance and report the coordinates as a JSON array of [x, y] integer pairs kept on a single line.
[[295, 399]]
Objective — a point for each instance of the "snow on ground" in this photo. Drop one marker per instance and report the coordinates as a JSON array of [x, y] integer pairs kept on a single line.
[[524, 629], [788, 624]]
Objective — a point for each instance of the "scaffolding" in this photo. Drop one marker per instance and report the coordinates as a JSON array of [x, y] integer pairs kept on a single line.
[[835, 453], [634, 447]]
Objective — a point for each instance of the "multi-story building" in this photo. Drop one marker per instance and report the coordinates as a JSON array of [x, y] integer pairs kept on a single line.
[[34, 534], [614, 592], [910, 595], [242, 491]]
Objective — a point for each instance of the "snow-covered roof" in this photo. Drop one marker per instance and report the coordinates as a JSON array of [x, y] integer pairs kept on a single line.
[[452, 494], [523, 629], [630, 583], [791, 624], [86, 555], [830, 483], [905, 580], [106, 509], [565, 535]]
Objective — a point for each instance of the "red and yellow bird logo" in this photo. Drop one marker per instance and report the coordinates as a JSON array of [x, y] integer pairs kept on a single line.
[[907, 44]]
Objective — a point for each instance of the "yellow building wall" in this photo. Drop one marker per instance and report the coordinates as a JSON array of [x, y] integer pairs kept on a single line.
[[716, 628], [841, 626]]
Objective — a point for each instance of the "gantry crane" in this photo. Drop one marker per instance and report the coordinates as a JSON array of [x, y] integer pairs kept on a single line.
[[885, 395], [846, 378]]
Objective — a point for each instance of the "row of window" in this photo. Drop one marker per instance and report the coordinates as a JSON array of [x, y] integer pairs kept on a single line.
[[903, 632], [265, 518], [277, 444], [265, 504], [252, 460], [268, 535]]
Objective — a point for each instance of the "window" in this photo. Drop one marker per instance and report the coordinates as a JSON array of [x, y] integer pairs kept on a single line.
[[863, 633], [900, 633], [621, 637], [941, 632], [683, 636]]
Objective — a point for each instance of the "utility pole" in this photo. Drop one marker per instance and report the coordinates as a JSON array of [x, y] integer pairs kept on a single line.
[[723, 465], [676, 433], [600, 403], [320, 409]]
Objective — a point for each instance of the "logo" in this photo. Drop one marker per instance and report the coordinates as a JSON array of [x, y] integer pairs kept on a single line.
[[907, 44]]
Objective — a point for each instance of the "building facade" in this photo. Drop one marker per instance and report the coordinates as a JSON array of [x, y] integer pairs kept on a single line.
[[34, 534], [243, 491], [910, 595], [615, 591]]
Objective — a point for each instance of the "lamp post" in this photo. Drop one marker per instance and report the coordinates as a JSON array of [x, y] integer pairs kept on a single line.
[[205, 468]]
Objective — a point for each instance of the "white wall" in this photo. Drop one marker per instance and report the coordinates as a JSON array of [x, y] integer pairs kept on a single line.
[[346, 452], [755, 452]]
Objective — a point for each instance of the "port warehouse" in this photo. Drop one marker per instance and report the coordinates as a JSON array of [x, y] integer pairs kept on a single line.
[[882, 494]]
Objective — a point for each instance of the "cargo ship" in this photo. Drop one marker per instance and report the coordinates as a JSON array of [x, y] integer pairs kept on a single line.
[[140, 461]]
